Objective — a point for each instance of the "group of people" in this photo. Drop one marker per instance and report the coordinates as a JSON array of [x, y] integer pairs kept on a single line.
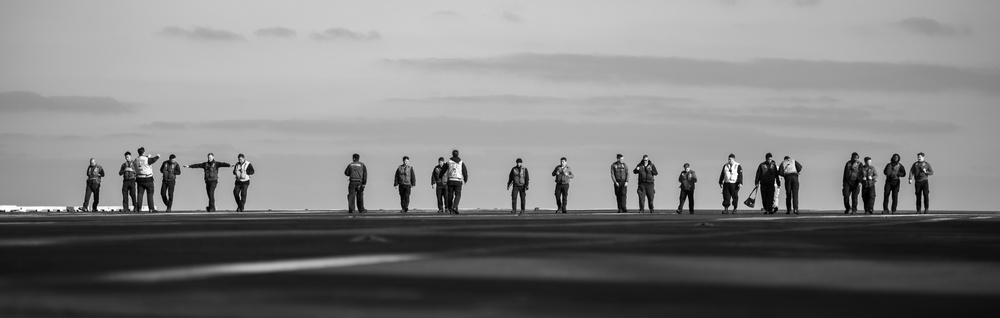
[[862, 176], [137, 181], [449, 176]]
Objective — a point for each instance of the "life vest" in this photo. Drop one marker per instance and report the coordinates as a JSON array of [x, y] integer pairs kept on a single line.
[[455, 171], [519, 176], [731, 172], [142, 168], [240, 171], [788, 166]]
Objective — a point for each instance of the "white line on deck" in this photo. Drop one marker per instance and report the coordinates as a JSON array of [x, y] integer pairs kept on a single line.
[[209, 271]]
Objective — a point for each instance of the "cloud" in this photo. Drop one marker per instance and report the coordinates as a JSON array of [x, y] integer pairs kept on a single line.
[[779, 74], [511, 17], [509, 99], [333, 34], [803, 100], [22, 101], [930, 27], [202, 34], [446, 14], [806, 3], [275, 32]]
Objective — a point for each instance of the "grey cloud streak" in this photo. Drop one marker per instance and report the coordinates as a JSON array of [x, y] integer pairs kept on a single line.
[[346, 34], [22, 101], [779, 74], [202, 34], [930, 27], [276, 32]]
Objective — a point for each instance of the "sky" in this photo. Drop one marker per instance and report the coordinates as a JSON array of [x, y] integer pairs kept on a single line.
[[299, 86]]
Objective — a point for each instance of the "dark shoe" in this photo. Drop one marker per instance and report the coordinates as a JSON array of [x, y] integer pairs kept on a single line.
[[846, 211], [796, 212], [678, 211]]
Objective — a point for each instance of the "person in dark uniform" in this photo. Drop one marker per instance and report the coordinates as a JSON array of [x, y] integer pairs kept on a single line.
[[563, 174], [211, 177], [647, 177], [687, 179], [869, 177], [852, 183], [893, 171], [94, 174], [731, 180], [518, 179], [357, 174], [619, 176], [919, 172], [243, 169], [404, 180], [439, 184], [790, 170], [767, 178], [457, 175], [127, 171], [170, 170]]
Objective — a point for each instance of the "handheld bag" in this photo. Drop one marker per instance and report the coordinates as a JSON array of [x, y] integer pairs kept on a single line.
[[752, 199]]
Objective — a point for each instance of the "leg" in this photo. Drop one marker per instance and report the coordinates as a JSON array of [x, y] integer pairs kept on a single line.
[[523, 193], [86, 195], [439, 192], [650, 193], [558, 199], [855, 190], [125, 194], [793, 186], [726, 196], [767, 194], [846, 192], [641, 191], [458, 196], [97, 195], [513, 199], [244, 190], [352, 192], [360, 198], [690, 201], [150, 199], [886, 192], [895, 196], [163, 194], [210, 188], [141, 192]]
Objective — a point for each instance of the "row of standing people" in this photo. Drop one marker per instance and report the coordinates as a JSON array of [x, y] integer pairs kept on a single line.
[[862, 177], [137, 181]]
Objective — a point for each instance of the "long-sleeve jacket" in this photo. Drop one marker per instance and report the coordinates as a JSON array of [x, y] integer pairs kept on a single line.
[[687, 180], [357, 172], [455, 170], [405, 176], [646, 173], [436, 178], [893, 171], [868, 175], [852, 172], [211, 169], [127, 171], [790, 167], [243, 171], [95, 173], [619, 172], [767, 173], [518, 176], [144, 166], [731, 173], [562, 174], [920, 170], [170, 170]]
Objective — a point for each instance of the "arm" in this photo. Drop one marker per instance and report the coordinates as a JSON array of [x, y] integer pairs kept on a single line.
[[153, 159], [101, 171], [900, 171], [722, 175], [413, 177], [224, 164], [364, 174], [526, 179], [510, 177], [930, 171], [555, 171], [163, 168], [250, 169], [913, 171], [680, 177], [613, 174], [654, 169], [739, 175], [197, 165], [756, 177], [569, 172], [465, 173], [798, 167], [121, 171], [395, 178], [694, 176], [347, 171]]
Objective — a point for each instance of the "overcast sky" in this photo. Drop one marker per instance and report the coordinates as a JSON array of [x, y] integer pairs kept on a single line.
[[299, 86]]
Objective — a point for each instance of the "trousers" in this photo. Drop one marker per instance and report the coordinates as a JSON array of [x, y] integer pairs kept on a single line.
[[355, 197], [240, 194], [850, 192], [890, 191], [454, 195], [516, 191], [730, 195], [404, 197], [791, 192], [646, 190], [128, 191], [562, 196], [621, 197], [167, 193], [210, 190], [685, 194], [95, 188], [923, 190]]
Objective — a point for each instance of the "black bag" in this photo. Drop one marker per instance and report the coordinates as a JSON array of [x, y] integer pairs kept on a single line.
[[752, 199]]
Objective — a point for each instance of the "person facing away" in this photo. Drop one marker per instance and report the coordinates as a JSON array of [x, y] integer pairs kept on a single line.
[[893, 171], [170, 169], [144, 179], [919, 172], [357, 176], [619, 177], [457, 175], [731, 180], [852, 183], [439, 184], [404, 180], [647, 177], [211, 168], [94, 174], [517, 179], [869, 176], [127, 171], [767, 179], [687, 179], [243, 169], [563, 174], [790, 170]]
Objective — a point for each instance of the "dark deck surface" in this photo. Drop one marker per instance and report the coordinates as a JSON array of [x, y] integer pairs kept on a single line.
[[490, 264]]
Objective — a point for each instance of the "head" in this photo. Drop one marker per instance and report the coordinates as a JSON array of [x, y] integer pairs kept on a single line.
[[645, 159], [620, 158], [920, 157], [440, 161], [768, 157], [128, 155], [241, 158], [141, 151], [211, 156], [454, 153], [173, 157], [732, 158], [93, 162], [355, 157], [518, 162], [406, 160], [562, 161], [687, 167], [787, 158], [868, 160], [855, 156], [895, 158]]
